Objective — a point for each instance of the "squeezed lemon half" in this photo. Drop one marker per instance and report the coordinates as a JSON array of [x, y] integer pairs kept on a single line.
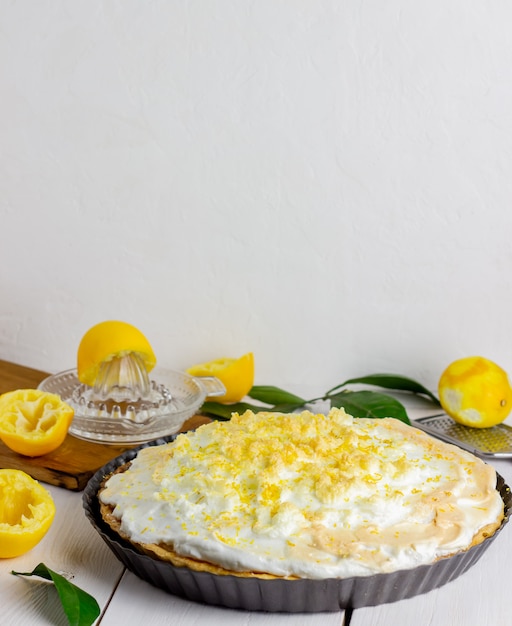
[[34, 422], [26, 512], [237, 375], [106, 341]]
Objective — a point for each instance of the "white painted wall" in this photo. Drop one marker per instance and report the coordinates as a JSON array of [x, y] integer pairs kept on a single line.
[[325, 183]]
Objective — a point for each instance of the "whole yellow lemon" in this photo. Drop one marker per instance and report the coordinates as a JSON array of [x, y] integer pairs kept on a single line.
[[475, 392]]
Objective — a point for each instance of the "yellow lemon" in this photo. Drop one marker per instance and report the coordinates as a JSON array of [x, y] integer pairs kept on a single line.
[[26, 512], [237, 375], [475, 392], [108, 340], [33, 422]]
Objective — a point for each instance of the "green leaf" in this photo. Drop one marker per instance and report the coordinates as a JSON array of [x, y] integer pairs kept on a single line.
[[369, 404], [224, 411], [390, 381], [358, 403], [286, 408], [274, 395], [81, 608]]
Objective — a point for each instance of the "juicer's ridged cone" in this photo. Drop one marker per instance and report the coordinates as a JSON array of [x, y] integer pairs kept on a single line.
[[122, 379]]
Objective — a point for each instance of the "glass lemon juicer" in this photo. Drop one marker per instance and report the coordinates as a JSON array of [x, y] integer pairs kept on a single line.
[[125, 405]]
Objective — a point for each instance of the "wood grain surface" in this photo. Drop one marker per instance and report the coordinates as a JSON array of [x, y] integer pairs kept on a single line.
[[13, 376]]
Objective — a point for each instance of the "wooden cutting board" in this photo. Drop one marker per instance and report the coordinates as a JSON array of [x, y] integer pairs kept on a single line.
[[75, 461], [70, 466]]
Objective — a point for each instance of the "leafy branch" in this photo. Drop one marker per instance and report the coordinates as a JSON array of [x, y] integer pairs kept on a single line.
[[359, 403]]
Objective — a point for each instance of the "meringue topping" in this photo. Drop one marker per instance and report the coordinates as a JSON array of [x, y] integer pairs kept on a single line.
[[306, 495]]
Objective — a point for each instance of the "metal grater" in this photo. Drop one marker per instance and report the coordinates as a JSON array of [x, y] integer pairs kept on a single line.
[[494, 442]]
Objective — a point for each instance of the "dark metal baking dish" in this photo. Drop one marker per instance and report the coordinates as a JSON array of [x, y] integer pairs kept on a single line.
[[280, 595]]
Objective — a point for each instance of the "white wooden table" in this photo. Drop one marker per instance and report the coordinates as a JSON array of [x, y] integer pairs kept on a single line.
[[479, 597]]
